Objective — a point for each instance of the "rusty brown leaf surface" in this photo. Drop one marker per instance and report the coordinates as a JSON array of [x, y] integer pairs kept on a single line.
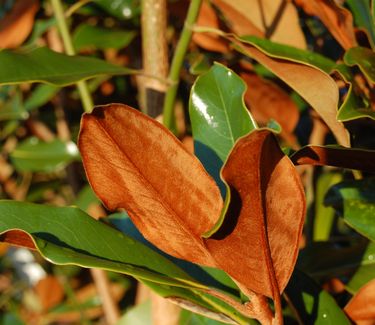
[[17, 238], [210, 42], [314, 85], [361, 308], [359, 159], [258, 243], [267, 100], [337, 19], [135, 163], [16, 26], [276, 20]]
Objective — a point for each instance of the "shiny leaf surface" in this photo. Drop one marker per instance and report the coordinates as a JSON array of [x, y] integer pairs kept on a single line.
[[364, 58], [218, 116]]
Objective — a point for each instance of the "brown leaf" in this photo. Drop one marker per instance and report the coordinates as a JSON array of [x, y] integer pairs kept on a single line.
[[274, 19], [17, 238], [361, 308], [16, 26], [267, 100], [267, 190], [314, 85], [133, 162], [338, 20], [210, 42], [359, 159], [50, 292]]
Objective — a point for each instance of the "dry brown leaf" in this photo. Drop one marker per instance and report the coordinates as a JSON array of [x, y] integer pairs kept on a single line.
[[17, 238], [338, 20], [173, 202], [358, 159], [50, 292], [146, 170], [314, 85], [361, 308], [266, 236], [267, 100], [16, 26], [210, 42], [275, 19]]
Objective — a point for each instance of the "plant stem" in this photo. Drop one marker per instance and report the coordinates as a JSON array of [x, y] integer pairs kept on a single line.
[[83, 90], [154, 56], [178, 58]]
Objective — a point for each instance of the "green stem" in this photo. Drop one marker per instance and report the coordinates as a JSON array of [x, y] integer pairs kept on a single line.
[[83, 90], [178, 58]]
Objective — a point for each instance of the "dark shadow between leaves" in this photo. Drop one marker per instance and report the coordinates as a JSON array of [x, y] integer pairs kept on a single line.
[[211, 162]]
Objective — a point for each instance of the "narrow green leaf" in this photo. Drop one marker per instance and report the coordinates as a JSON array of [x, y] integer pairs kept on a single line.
[[312, 304], [88, 36], [363, 17], [44, 65], [218, 117], [355, 201], [37, 156], [324, 216], [67, 235], [364, 58]]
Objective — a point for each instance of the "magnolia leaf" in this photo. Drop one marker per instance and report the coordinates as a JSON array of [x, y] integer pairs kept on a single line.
[[276, 20], [218, 117], [267, 101], [173, 201], [337, 19], [67, 235], [165, 190], [16, 26], [264, 232], [295, 71], [361, 308], [46, 66], [364, 58], [336, 156]]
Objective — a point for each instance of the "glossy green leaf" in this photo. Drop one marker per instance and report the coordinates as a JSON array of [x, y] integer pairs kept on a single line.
[[364, 58], [67, 235], [44, 65], [324, 216], [312, 304], [88, 37], [218, 117], [121, 9], [355, 201], [363, 17], [355, 107], [37, 156]]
